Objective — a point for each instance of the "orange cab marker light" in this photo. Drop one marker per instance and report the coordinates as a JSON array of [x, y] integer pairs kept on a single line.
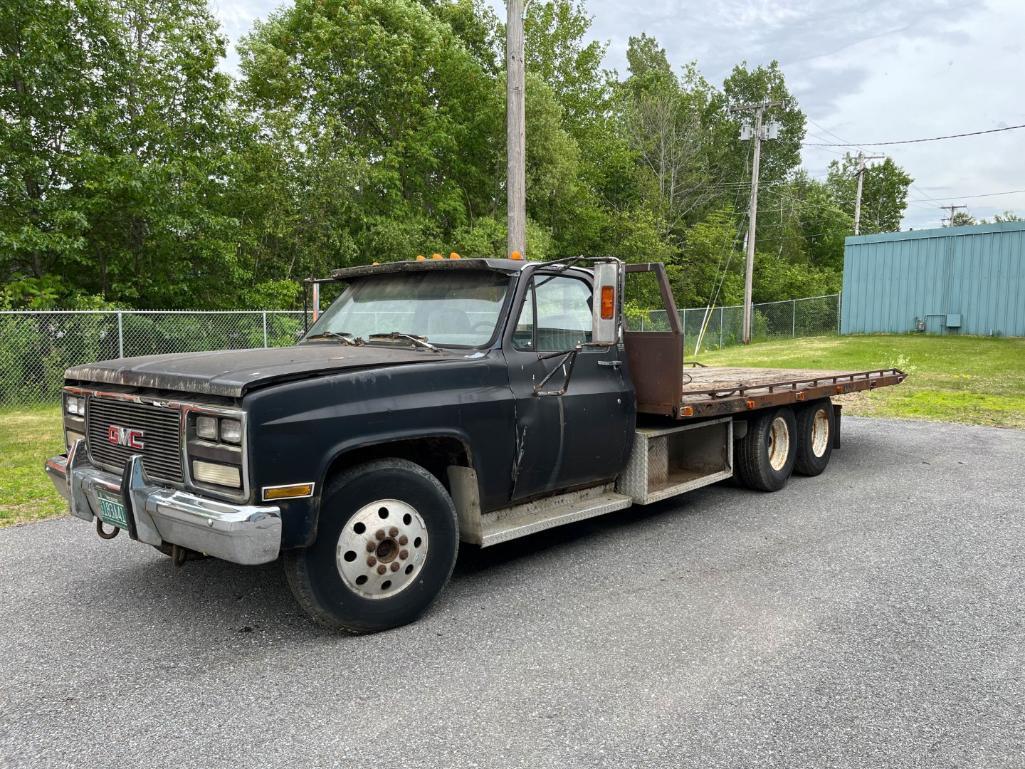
[[516, 256], [750, 404], [437, 256], [293, 491], [687, 411], [608, 296], [421, 258], [454, 255]]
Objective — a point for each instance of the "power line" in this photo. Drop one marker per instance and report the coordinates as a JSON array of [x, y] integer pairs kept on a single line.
[[958, 197], [919, 141]]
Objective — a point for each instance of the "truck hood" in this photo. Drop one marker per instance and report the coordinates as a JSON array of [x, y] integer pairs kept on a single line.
[[231, 373]]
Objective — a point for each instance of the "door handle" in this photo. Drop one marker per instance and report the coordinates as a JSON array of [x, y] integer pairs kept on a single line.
[[610, 363]]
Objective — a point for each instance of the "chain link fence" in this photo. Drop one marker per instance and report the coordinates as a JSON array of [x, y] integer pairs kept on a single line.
[[36, 347], [718, 327]]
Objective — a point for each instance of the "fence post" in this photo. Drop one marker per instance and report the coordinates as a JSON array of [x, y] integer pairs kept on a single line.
[[838, 306], [265, 329], [120, 336], [793, 333], [720, 326]]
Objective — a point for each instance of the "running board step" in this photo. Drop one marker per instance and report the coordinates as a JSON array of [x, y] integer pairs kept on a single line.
[[548, 513], [520, 520]]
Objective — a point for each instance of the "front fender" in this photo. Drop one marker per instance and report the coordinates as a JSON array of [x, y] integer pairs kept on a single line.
[[299, 431]]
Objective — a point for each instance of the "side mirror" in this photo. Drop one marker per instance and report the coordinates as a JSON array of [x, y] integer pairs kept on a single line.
[[606, 304]]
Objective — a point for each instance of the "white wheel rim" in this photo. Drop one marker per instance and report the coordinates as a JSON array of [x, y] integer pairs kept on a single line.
[[819, 433], [382, 549], [779, 443]]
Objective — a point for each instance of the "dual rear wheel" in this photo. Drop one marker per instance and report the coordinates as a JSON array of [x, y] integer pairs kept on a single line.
[[780, 442]]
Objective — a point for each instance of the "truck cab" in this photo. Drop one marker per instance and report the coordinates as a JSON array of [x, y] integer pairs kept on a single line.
[[433, 402]]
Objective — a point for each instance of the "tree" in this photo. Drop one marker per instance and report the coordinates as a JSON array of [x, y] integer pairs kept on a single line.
[[961, 219], [52, 60], [387, 126], [884, 192]]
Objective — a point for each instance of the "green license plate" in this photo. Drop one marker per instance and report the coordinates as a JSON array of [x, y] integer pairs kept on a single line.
[[112, 510]]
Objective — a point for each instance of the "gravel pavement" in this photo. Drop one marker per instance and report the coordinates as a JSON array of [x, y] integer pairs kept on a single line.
[[871, 617]]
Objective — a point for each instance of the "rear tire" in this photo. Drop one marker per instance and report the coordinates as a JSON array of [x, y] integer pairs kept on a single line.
[[386, 544], [764, 458], [815, 428]]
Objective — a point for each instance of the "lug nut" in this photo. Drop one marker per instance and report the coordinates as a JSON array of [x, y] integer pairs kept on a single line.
[[394, 566], [403, 554], [382, 569], [371, 561], [393, 532], [371, 547], [379, 534], [403, 539]]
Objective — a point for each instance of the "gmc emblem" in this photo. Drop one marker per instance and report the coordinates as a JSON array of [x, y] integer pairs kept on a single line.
[[124, 436]]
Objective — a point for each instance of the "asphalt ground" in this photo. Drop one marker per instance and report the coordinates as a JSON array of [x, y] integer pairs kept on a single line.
[[871, 617]]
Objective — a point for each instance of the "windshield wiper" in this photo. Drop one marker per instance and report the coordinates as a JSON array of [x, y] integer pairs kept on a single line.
[[420, 340], [341, 336]]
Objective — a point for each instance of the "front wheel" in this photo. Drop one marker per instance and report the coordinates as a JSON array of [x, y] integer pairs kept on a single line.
[[386, 544]]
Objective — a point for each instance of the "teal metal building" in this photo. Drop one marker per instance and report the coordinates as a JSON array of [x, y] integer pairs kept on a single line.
[[955, 280]]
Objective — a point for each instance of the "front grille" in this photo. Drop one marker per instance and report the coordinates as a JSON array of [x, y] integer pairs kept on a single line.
[[161, 436]]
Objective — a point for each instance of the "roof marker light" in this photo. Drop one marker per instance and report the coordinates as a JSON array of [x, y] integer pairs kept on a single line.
[[454, 255], [420, 258], [437, 256], [516, 256]]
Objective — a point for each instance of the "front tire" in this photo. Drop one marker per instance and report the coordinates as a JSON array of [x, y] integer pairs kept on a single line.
[[764, 457], [386, 544]]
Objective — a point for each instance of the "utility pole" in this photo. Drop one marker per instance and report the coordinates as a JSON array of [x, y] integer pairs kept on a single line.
[[861, 178], [516, 175], [752, 215], [950, 219]]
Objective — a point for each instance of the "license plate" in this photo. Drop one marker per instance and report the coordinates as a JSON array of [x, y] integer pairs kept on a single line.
[[112, 510]]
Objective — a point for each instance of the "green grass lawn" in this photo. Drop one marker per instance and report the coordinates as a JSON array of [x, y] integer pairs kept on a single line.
[[974, 380], [27, 438]]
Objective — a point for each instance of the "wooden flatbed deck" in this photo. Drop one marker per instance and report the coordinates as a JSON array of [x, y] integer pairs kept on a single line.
[[714, 391]]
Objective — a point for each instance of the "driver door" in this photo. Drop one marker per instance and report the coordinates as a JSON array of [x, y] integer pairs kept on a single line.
[[584, 435]]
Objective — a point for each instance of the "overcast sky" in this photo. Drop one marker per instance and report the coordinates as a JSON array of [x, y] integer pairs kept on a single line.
[[863, 71]]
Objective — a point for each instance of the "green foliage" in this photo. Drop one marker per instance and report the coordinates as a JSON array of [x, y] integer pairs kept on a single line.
[[136, 173], [884, 193]]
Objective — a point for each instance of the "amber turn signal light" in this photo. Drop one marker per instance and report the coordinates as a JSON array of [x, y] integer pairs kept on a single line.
[[295, 491], [608, 296]]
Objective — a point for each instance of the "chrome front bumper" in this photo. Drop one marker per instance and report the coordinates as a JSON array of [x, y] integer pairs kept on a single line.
[[247, 534]]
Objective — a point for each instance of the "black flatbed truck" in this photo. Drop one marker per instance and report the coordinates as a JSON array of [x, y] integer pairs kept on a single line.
[[436, 401]]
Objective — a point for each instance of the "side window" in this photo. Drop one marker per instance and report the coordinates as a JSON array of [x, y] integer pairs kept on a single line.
[[563, 315]]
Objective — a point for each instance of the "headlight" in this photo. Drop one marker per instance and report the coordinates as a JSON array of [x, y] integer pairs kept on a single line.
[[221, 475], [206, 427], [75, 406], [231, 431]]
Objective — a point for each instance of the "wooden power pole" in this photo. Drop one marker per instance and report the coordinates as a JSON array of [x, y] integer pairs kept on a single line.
[[861, 179], [516, 174], [757, 134]]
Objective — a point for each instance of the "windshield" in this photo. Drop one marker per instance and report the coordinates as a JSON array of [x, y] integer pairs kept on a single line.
[[445, 308]]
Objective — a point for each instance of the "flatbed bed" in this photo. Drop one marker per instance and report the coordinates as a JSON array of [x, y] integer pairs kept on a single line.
[[715, 391]]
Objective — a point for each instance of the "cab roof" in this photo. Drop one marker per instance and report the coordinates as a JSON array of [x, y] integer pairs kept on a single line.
[[507, 266]]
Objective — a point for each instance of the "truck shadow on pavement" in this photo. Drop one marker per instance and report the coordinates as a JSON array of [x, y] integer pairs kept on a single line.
[[214, 599]]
